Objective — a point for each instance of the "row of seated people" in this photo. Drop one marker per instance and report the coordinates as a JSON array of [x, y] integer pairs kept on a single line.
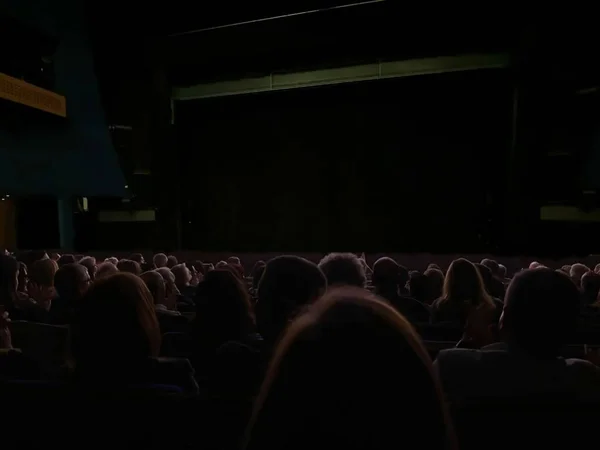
[[312, 357]]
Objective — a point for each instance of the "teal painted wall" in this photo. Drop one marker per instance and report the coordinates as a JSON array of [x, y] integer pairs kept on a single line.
[[71, 158]]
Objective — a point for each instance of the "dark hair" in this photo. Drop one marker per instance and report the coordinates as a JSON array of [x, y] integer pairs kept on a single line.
[[66, 259], [67, 279], [288, 284], [334, 376], [540, 311], [343, 269], [127, 265], [99, 335], [387, 272], [223, 310]]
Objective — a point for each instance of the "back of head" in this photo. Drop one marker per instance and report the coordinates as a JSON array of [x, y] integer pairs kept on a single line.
[[127, 265], [104, 269], [435, 279], [68, 281], [388, 273], [223, 306], [42, 272], [501, 271], [172, 261], [159, 260], [116, 324], [419, 286], [288, 283], [540, 311], [343, 269], [334, 381], [89, 262], [578, 270], [464, 285], [182, 274], [137, 257], [486, 277], [156, 285], [66, 259], [492, 265], [234, 260]]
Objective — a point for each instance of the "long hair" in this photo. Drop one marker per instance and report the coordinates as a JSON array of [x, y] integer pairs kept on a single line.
[[223, 309], [115, 321], [351, 372], [463, 286]]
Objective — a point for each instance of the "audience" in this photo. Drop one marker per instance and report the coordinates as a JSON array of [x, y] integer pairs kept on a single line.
[[389, 281], [306, 352], [343, 269]]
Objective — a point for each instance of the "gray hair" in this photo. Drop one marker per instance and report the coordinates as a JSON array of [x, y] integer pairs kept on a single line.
[[343, 269]]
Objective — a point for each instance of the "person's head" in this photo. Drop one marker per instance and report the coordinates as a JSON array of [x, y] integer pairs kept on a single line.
[[9, 279], [127, 265], [288, 284], [54, 256], [223, 310], [113, 260], [236, 269], [464, 285], [23, 277], [220, 264], [434, 266], [435, 280], [350, 372], [138, 258], [418, 287], [172, 261], [41, 279], [89, 262], [105, 269], [234, 260], [156, 285], [257, 273], [596, 268], [492, 265], [501, 271], [534, 265], [198, 266], [540, 312], [486, 276], [72, 281], [590, 287], [183, 275], [388, 274], [343, 269], [159, 260], [115, 326], [171, 289], [577, 271], [66, 259]]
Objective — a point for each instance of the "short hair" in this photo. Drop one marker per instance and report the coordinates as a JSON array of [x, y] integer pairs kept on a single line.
[[172, 261], [386, 271], [66, 259], [67, 279], [159, 260], [182, 274], [104, 269], [89, 262], [501, 271], [155, 284], [577, 270], [541, 308], [137, 257], [127, 265], [234, 260], [343, 269], [491, 264]]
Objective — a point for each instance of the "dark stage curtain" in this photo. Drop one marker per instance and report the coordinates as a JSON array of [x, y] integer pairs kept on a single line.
[[404, 164]]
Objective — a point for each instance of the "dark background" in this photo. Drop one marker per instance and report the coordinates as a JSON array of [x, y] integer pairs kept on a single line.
[[417, 163]]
